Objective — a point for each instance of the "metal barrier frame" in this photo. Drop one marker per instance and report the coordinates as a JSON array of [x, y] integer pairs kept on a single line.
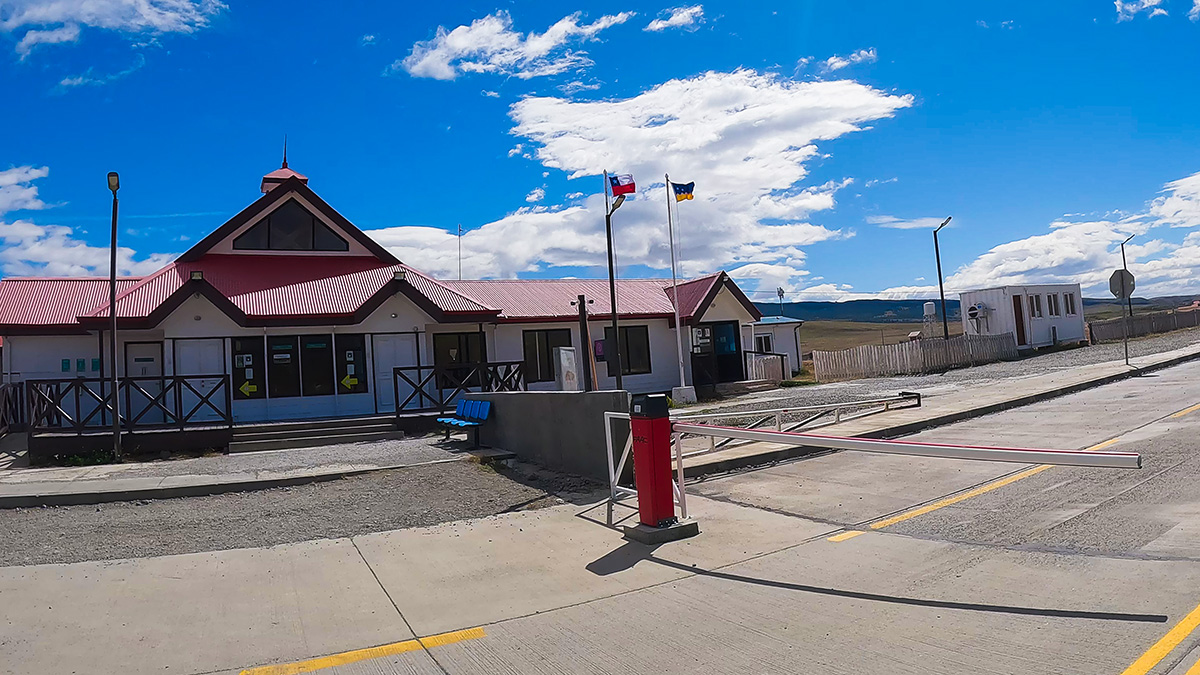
[[683, 425], [885, 404]]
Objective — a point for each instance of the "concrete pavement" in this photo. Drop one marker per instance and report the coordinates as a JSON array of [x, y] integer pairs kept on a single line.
[[763, 589]]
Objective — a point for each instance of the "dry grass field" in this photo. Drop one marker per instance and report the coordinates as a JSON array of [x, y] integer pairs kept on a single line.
[[834, 335]]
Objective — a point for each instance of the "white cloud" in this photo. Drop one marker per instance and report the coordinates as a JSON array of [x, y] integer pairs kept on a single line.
[[368, 39], [17, 192], [490, 94], [58, 21], [1128, 10], [679, 17], [577, 86], [1194, 14], [895, 223], [875, 181], [90, 78], [861, 56], [743, 137], [27, 248], [1179, 206], [490, 45], [32, 38], [536, 195]]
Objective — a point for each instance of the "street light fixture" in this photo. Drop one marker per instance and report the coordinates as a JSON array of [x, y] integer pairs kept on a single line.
[[612, 293], [114, 184], [1125, 267], [941, 286]]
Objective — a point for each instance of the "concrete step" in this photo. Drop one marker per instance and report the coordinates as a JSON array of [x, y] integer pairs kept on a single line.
[[745, 387], [312, 441], [268, 433], [304, 425]]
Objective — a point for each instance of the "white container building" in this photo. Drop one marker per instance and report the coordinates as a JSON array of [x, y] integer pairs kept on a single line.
[[1037, 315]]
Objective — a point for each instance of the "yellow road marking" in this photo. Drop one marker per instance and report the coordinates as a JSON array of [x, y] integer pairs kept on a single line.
[[1194, 670], [1165, 645], [357, 655], [849, 534], [1105, 444], [943, 503], [1185, 411]]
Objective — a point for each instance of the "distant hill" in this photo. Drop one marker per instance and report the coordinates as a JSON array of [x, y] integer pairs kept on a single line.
[[909, 311]]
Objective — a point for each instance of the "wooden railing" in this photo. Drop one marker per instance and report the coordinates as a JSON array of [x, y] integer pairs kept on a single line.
[[11, 408], [436, 388], [86, 404], [766, 366]]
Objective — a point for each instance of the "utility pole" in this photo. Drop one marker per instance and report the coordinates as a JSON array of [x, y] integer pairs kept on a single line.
[[460, 251], [585, 339], [941, 286]]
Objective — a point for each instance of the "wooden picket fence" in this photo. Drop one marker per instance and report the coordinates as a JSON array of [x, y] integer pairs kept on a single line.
[[1143, 324], [915, 357]]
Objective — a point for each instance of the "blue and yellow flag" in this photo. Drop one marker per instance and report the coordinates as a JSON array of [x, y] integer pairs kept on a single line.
[[683, 190]]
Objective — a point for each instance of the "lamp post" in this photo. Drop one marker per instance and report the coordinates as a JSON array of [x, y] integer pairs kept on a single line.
[[114, 184], [1125, 267], [941, 286], [612, 291]]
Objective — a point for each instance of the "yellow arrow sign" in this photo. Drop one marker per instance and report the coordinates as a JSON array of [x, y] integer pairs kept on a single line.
[[248, 388], [349, 382]]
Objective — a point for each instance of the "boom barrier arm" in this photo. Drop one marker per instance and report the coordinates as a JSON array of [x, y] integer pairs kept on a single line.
[[1114, 460]]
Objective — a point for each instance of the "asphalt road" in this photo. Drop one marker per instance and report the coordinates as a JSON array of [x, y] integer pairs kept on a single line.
[[847, 563]]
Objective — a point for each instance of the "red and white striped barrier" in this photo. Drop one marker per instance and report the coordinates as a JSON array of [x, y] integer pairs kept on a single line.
[[1112, 460]]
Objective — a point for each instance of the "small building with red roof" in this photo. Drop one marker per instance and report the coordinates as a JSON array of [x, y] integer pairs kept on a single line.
[[292, 312]]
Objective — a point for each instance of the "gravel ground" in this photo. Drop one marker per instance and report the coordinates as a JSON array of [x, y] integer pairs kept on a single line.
[[388, 500], [961, 378]]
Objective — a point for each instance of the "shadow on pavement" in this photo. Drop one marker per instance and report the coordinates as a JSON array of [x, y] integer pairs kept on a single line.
[[630, 553]]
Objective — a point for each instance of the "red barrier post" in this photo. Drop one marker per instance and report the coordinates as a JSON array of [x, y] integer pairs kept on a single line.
[[650, 425]]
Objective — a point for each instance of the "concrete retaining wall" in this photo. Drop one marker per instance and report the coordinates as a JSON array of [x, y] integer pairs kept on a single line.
[[560, 430]]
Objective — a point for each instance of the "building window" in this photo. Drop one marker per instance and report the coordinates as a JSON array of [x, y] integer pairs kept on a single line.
[[283, 366], [452, 349], [351, 357], [1052, 304], [1069, 301], [635, 350], [290, 228], [539, 352], [316, 365], [249, 371], [1035, 306], [762, 343]]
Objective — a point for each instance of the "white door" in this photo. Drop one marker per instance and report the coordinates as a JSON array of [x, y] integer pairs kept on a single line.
[[202, 362], [388, 352], [143, 366]]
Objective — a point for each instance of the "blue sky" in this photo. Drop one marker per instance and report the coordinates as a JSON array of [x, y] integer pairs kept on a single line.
[[825, 138]]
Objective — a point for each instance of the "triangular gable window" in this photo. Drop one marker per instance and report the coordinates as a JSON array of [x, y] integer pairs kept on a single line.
[[290, 228]]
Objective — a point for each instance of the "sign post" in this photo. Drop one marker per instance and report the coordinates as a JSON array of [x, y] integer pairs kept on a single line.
[[1121, 285]]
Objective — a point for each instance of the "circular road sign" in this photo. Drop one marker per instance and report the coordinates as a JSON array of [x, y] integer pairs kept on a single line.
[[1121, 284]]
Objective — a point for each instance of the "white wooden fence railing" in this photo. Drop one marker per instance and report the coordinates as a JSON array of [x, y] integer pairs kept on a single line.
[[913, 358], [764, 367]]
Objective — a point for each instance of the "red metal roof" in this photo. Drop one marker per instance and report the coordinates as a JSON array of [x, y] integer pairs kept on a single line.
[[54, 301], [263, 286], [546, 299]]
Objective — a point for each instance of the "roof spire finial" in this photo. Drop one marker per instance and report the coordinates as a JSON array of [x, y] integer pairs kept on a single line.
[[284, 152]]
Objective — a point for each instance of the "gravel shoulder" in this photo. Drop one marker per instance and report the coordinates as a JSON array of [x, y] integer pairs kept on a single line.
[[411, 497]]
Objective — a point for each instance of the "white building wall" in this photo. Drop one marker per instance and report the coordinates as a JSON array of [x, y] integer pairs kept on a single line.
[[784, 339]]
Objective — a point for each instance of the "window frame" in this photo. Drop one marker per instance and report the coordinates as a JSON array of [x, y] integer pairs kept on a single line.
[[544, 356], [1070, 303], [1035, 306], [627, 367], [1053, 305], [313, 224], [769, 338]]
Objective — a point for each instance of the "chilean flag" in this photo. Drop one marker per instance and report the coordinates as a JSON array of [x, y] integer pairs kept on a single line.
[[622, 184]]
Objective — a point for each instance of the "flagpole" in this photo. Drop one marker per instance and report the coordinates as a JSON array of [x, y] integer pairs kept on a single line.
[[674, 284]]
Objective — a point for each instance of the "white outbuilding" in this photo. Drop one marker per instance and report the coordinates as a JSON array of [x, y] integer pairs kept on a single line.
[[1037, 316]]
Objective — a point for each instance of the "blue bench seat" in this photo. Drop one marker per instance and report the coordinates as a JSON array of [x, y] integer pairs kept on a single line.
[[467, 415]]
